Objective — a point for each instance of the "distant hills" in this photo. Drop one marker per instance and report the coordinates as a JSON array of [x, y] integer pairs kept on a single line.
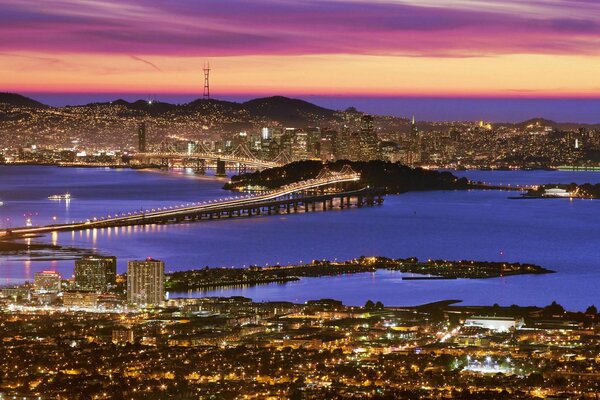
[[18, 100], [285, 110], [277, 108]]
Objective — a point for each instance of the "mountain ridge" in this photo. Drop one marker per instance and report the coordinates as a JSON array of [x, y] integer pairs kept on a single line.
[[279, 108]]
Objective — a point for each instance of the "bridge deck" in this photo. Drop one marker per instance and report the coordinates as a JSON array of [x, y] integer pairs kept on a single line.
[[141, 218]]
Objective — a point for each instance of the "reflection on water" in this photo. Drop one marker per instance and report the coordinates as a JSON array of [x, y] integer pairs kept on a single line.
[[482, 225]]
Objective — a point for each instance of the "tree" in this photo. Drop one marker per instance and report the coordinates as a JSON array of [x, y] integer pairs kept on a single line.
[[369, 305], [591, 310], [554, 309]]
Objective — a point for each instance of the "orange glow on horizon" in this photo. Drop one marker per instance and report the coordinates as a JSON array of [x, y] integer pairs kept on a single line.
[[508, 76]]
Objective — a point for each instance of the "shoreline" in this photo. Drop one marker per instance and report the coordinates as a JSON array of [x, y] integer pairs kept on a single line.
[[206, 278]]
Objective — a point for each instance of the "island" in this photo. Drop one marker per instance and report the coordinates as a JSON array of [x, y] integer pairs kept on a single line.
[[206, 278], [391, 177]]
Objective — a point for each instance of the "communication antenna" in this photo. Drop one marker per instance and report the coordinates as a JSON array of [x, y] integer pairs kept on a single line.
[[206, 94]]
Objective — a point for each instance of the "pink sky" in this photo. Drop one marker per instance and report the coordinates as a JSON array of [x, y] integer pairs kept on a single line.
[[535, 48]]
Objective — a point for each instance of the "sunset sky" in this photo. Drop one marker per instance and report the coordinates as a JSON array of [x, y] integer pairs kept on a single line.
[[493, 48]]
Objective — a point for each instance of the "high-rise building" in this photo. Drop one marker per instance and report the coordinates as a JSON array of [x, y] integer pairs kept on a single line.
[[95, 273], [327, 146], [367, 123], [142, 137], [299, 145], [145, 282], [47, 282]]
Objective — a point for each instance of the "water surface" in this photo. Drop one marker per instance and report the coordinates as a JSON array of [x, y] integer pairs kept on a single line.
[[482, 225]]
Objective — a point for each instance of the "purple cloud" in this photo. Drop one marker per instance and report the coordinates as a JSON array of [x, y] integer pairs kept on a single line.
[[290, 27]]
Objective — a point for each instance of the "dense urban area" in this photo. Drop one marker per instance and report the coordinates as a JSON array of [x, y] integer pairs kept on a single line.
[[149, 334], [119, 337], [279, 128]]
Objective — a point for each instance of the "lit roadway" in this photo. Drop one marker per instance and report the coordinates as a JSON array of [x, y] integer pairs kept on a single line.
[[228, 158], [141, 217]]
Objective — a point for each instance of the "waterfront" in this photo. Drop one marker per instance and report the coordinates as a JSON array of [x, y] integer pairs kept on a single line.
[[482, 225]]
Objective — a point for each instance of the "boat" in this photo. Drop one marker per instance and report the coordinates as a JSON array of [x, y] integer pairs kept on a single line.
[[65, 196]]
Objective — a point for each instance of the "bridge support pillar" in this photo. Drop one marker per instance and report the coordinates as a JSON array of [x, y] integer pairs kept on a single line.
[[200, 167], [342, 202], [221, 168]]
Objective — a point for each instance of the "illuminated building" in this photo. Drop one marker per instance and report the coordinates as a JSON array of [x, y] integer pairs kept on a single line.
[[498, 324], [142, 137], [80, 298], [122, 336], [95, 273], [47, 282], [145, 282]]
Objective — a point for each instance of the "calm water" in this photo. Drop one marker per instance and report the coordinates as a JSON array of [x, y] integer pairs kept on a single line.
[[484, 225]]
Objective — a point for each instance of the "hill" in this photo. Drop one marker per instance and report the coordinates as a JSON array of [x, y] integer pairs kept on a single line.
[[286, 110], [17, 100]]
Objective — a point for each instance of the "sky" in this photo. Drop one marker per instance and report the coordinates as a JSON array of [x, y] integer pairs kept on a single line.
[[338, 48]]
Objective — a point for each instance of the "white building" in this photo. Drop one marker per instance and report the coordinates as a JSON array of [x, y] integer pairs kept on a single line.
[[497, 324]]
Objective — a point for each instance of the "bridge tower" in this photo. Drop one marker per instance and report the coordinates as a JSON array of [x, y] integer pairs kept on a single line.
[[206, 94]]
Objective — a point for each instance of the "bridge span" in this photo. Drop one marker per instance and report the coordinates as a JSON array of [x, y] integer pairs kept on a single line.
[[241, 158], [269, 202]]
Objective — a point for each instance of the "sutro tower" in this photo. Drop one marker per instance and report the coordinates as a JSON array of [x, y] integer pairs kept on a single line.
[[206, 94]]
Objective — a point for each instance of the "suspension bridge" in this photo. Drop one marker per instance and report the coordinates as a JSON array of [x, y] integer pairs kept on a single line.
[[288, 198], [241, 158]]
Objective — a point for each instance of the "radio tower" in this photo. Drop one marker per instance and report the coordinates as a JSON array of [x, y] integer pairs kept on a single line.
[[206, 94]]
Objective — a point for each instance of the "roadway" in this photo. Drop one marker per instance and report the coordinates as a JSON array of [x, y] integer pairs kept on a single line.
[[227, 158], [146, 217]]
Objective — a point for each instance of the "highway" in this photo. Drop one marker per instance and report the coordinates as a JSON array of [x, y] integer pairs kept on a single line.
[[228, 158], [148, 216]]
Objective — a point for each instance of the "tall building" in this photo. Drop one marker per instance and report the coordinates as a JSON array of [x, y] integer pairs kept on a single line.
[[367, 124], [327, 146], [95, 273], [142, 137], [47, 282], [299, 145], [146, 282]]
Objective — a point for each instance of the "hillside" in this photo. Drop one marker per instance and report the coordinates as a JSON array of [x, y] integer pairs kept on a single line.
[[17, 100]]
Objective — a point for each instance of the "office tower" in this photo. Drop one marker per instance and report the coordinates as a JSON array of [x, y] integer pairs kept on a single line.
[[145, 282], [142, 137], [299, 145], [47, 282], [327, 146], [95, 273], [367, 123]]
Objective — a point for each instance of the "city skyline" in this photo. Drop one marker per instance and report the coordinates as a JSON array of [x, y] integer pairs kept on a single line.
[[477, 49], [300, 199]]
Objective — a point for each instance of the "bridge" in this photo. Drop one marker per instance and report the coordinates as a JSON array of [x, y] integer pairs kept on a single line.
[[241, 158], [287, 198]]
